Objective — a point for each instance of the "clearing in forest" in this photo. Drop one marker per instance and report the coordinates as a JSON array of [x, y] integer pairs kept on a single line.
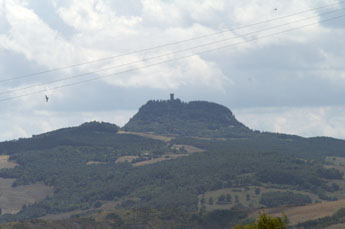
[[149, 135], [5, 163], [12, 199]]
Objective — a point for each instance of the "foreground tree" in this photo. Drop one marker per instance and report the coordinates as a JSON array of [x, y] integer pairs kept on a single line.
[[266, 222]]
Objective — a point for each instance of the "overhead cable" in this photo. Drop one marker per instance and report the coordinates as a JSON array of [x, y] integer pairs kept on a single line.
[[170, 60], [165, 55], [168, 44]]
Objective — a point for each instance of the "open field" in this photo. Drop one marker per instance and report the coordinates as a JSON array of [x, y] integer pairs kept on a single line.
[[95, 163], [149, 135], [13, 199], [159, 159], [337, 226], [308, 212], [208, 139], [189, 148], [339, 161], [336, 163], [126, 159], [5, 163]]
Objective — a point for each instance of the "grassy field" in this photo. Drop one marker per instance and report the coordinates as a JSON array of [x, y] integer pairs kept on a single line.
[[13, 199], [308, 212], [189, 148], [149, 135], [5, 163], [186, 149], [126, 159], [338, 226], [95, 163], [338, 161], [159, 159]]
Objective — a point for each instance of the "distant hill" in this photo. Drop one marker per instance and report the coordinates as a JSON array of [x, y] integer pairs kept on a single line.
[[79, 135], [197, 118]]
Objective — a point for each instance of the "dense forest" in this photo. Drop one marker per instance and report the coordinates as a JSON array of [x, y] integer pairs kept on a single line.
[[60, 159]]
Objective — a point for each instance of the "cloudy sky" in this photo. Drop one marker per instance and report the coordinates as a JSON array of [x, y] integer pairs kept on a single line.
[[277, 64]]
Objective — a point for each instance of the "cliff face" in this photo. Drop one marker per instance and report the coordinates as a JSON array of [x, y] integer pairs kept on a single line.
[[197, 118]]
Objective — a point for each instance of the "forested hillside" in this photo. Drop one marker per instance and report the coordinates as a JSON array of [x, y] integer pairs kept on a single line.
[[91, 133], [236, 168]]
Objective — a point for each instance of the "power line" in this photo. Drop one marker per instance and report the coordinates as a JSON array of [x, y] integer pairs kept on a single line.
[[168, 44], [164, 55], [170, 60]]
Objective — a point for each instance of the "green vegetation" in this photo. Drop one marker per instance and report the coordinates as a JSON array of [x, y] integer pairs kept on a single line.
[[266, 222], [234, 157], [140, 218], [275, 199], [175, 184]]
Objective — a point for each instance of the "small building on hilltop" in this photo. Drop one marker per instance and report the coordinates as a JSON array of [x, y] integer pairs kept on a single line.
[[171, 96]]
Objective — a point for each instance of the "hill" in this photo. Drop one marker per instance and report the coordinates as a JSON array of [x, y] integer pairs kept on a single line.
[[209, 161], [197, 118], [85, 134]]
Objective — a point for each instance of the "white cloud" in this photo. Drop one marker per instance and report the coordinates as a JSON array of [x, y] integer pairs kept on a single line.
[[92, 16], [28, 123], [158, 12], [192, 71], [299, 68], [34, 39], [304, 121]]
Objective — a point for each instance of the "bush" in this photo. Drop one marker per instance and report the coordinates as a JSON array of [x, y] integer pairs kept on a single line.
[[275, 199], [266, 222]]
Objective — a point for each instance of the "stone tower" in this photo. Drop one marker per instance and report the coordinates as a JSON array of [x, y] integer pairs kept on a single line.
[[171, 96]]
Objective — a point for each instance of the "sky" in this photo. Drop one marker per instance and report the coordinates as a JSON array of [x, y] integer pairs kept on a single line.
[[277, 64]]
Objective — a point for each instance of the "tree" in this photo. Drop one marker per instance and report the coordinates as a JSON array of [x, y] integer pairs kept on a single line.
[[97, 204], [228, 197], [236, 199], [210, 201], [257, 191], [202, 201], [221, 198], [266, 222]]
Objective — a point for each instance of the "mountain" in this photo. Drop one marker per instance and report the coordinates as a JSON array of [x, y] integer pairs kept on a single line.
[[197, 118]]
